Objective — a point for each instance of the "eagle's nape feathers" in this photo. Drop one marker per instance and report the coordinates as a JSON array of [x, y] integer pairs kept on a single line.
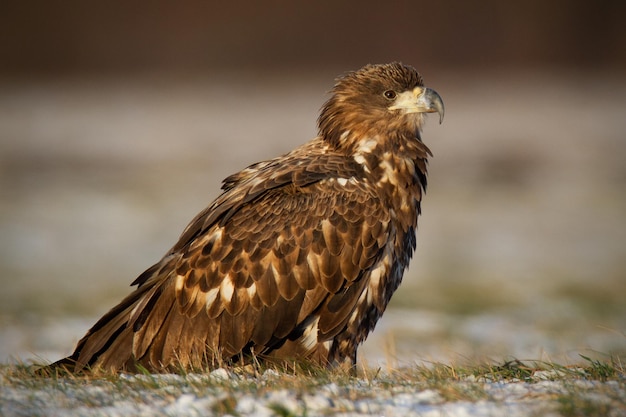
[[298, 257]]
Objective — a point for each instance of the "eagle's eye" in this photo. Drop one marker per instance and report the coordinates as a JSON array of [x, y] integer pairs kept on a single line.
[[389, 94]]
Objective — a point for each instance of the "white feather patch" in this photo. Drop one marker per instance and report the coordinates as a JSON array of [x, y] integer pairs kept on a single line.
[[217, 234], [389, 170], [360, 159], [376, 274], [308, 340], [179, 283], [211, 296], [366, 146], [251, 290], [227, 288], [364, 295]]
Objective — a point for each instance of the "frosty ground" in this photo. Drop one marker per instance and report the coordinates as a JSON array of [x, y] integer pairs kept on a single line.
[[518, 390]]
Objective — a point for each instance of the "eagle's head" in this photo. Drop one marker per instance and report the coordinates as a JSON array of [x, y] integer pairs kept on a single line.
[[386, 99]]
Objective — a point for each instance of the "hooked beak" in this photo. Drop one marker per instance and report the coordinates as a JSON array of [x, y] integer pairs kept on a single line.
[[420, 100]]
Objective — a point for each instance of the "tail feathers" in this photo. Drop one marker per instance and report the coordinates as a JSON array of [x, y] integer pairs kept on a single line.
[[107, 346], [146, 330]]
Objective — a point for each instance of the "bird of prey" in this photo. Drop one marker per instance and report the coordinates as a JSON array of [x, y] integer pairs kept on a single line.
[[298, 257]]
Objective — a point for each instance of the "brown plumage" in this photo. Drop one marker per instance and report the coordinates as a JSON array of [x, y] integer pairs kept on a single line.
[[298, 257]]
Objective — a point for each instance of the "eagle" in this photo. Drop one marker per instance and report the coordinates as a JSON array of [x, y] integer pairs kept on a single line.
[[297, 258]]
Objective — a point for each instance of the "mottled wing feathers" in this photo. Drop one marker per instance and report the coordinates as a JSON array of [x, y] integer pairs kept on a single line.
[[271, 255], [305, 165], [294, 253]]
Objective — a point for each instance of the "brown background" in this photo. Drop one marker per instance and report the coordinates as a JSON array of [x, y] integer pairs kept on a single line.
[[74, 37]]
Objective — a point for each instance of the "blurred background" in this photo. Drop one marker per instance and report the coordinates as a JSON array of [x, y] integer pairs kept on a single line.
[[118, 121]]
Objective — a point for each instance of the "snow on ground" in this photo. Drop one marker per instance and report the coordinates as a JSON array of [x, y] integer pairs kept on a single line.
[[175, 395]]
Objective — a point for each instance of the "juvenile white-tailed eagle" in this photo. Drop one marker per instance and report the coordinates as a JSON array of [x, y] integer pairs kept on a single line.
[[298, 257]]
